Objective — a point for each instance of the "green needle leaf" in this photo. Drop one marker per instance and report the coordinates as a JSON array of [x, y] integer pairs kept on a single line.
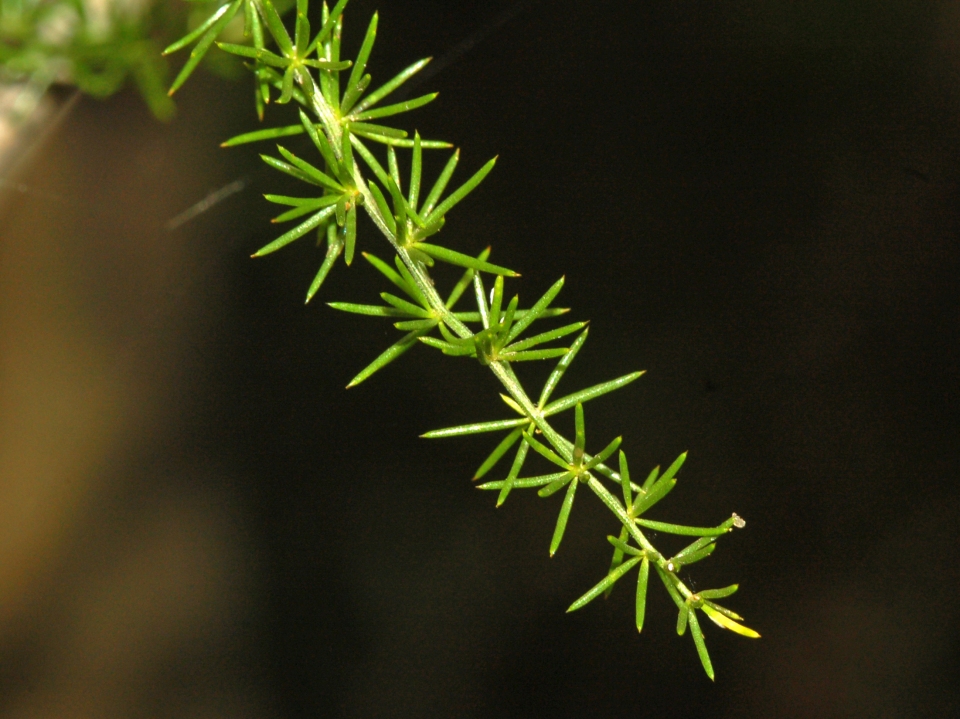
[[546, 452], [693, 557], [533, 355], [617, 555], [701, 645], [399, 206], [297, 232], [386, 358], [392, 164], [276, 28], [292, 201], [361, 63], [682, 529], [465, 189], [327, 26], [440, 185], [496, 302], [302, 27], [622, 546], [561, 367], [353, 93], [456, 258], [388, 272], [350, 234], [476, 428], [371, 161], [383, 207], [449, 349], [259, 54], [415, 325], [500, 450], [289, 169], [570, 400], [682, 617], [642, 592], [546, 336], [518, 461], [381, 92], [625, 481], [580, 435], [334, 248], [376, 131], [645, 501], [320, 141], [465, 281], [194, 34], [271, 134], [675, 467], [564, 516], [369, 310], [695, 546], [396, 109], [416, 169], [719, 593], [561, 481], [201, 48], [411, 283], [605, 584], [606, 452], [524, 482], [306, 208], [411, 309], [651, 478], [668, 582], [534, 312]]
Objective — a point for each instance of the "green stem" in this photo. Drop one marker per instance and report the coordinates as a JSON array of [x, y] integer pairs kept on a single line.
[[500, 368]]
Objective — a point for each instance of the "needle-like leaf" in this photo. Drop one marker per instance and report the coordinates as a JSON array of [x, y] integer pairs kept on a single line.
[[227, 13], [642, 592], [457, 195], [605, 584], [377, 95], [561, 367], [395, 109], [369, 310], [306, 208], [538, 308], [477, 428], [388, 356], [565, 509], [441, 184], [646, 500], [297, 232], [498, 452], [584, 395], [457, 258], [546, 337], [334, 248], [356, 74], [270, 134], [700, 644], [682, 529]]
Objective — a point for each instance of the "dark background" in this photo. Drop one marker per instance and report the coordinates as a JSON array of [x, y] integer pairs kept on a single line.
[[756, 202]]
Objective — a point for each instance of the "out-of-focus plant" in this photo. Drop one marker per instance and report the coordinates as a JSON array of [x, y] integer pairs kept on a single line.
[[94, 45], [341, 114]]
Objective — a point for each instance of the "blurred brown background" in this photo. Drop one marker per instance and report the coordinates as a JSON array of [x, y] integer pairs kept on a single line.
[[757, 202]]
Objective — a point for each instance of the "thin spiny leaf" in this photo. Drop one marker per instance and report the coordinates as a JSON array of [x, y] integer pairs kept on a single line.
[[604, 585]]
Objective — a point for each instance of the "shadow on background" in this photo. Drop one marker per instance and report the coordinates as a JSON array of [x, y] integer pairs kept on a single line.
[[756, 203]]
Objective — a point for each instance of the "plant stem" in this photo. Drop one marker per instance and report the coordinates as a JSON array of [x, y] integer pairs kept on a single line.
[[501, 369]]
